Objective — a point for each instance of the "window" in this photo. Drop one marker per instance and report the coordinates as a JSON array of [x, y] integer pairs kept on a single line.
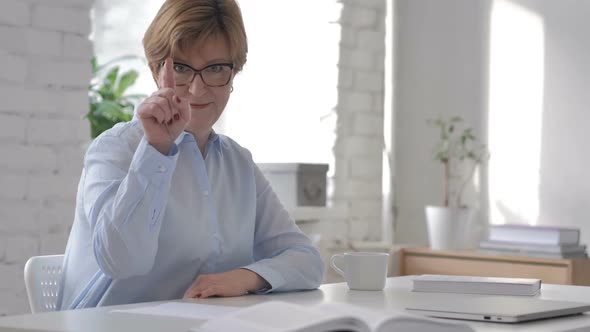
[[282, 104], [281, 108]]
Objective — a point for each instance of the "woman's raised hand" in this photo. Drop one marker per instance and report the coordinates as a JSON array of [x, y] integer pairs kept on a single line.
[[164, 115]]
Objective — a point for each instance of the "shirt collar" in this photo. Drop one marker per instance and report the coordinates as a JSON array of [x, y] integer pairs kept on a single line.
[[214, 139]]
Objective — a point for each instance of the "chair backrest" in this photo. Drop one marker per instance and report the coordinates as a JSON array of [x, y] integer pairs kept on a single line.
[[42, 278]]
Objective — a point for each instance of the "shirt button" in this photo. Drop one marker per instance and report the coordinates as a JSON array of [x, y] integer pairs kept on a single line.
[[161, 169], [205, 193]]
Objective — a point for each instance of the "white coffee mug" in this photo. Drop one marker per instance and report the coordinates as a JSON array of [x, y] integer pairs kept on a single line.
[[362, 270]]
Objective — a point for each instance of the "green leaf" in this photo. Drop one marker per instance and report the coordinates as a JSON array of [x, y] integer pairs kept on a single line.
[[127, 79], [113, 111], [106, 95], [94, 65], [111, 76], [107, 90]]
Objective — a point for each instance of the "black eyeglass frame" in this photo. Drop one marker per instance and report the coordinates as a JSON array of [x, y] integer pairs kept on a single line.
[[198, 71]]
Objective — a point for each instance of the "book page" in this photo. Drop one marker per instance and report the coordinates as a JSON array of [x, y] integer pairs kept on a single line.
[[373, 318], [275, 316], [182, 310], [423, 324], [394, 320]]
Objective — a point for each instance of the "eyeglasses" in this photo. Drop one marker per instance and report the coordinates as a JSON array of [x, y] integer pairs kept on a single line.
[[214, 75]]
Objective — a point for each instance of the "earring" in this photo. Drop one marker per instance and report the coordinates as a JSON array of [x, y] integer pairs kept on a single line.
[[231, 89]]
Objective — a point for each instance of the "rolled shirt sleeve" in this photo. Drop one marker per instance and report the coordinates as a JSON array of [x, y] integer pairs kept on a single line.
[[123, 203]]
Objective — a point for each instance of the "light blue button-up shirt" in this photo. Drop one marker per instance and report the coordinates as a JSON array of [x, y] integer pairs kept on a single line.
[[146, 225]]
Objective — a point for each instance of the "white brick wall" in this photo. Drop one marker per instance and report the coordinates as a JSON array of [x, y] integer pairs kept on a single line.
[[59, 18], [13, 68], [44, 75], [359, 144], [41, 42], [15, 12]]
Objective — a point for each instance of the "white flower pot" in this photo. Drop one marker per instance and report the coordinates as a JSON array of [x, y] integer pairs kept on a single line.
[[448, 228]]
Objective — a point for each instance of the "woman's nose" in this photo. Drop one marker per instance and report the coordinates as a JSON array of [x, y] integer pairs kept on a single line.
[[197, 86]]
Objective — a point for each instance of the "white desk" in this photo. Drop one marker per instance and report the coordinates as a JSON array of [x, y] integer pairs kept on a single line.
[[396, 295]]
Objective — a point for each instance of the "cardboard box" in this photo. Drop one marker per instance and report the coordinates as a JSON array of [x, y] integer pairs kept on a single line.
[[297, 184]]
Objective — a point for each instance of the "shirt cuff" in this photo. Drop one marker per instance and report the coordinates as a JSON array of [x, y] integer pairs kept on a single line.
[[274, 279], [150, 163]]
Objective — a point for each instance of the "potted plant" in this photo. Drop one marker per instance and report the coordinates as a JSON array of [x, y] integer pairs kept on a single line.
[[109, 103], [460, 154]]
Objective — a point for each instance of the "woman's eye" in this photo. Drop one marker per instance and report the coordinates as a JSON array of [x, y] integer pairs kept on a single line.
[[215, 68], [180, 68]]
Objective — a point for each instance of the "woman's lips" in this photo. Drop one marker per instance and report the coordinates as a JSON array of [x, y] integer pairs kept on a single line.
[[199, 106]]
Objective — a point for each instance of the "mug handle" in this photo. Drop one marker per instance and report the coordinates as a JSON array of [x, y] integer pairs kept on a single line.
[[333, 264]]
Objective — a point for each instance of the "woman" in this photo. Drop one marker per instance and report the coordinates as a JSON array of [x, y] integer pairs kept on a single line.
[[166, 208]]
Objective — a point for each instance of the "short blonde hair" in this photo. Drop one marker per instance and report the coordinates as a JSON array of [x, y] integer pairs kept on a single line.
[[181, 24]]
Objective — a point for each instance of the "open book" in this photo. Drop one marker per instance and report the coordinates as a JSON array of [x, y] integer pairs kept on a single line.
[[275, 316]]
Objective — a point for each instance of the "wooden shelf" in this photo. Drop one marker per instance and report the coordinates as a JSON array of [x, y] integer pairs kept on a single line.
[[473, 263]]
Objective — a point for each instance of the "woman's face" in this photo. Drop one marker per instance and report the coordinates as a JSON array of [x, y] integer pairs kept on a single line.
[[207, 101]]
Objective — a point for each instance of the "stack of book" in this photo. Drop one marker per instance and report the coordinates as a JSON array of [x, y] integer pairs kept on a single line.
[[475, 285], [537, 241]]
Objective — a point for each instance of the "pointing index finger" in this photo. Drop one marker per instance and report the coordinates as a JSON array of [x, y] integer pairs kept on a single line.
[[167, 74]]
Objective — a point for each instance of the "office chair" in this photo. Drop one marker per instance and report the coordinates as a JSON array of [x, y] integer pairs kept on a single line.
[[42, 278]]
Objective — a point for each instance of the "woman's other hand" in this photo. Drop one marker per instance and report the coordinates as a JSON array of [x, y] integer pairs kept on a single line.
[[164, 115], [232, 283]]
